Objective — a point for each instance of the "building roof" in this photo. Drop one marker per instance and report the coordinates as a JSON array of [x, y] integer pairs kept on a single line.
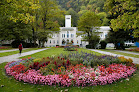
[[67, 28], [104, 28]]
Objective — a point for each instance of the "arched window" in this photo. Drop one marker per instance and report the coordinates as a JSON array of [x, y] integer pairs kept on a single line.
[[67, 34], [64, 35]]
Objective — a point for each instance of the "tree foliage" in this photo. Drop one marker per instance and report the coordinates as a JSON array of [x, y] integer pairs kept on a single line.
[[74, 16], [49, 12], [88, 22], [10, 30], [124, 14], [77, 5], [119, 37], [19, 10]]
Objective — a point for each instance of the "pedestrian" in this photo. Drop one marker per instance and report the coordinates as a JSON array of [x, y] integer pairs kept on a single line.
[[20, 48]]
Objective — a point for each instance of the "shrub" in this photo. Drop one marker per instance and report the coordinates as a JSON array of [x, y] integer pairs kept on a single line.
[[88, 46], [103, 44], [16, 43], [31, 45]]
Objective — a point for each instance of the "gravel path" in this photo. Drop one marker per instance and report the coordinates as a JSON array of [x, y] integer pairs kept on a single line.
[[135, 60], [11, 50], [15, 57], [127, 52]]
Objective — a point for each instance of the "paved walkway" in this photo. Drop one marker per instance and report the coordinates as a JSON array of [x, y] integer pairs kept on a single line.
[[15, 57], [1, 51], [135, 60], [127, 52]]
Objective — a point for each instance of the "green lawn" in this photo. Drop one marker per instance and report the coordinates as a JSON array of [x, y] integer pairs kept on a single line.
[[120, 53], [11, 85], [16, 52], [56, 51]]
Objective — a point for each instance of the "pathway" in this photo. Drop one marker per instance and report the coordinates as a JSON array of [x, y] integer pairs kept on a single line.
[[127, 52], [15, 57], [135, 60], [1, 51]]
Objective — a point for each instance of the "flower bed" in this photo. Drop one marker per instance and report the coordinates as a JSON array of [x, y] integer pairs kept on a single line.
[[61, 71]]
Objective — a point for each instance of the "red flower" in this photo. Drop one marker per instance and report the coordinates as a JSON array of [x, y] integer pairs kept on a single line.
[[63, 63], [68, 62], [59, 65], [29, 57], [55, 63], [18, 68]]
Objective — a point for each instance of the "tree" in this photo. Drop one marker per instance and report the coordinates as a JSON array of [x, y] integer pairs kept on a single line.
[[19, 10], [88, 22], [48, 12], [10, 30], [16, 17], [74, 16], [103, 18], [93, 40], [118, 38], [124, 14]]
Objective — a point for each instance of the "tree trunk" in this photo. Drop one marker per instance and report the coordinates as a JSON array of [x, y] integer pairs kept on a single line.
[[34, 39]]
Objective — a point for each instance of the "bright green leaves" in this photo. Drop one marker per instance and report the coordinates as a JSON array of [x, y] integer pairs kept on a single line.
[[52, 26], [124, 15], [20, 10], [87, 21]]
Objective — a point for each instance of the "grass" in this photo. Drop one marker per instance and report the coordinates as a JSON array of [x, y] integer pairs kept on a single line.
[[56, 51], [120, 53], [11, 85], [16, 52]]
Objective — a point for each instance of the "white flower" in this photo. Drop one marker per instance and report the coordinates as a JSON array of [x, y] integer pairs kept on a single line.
[[53, 55], [81, 77], [71, 76], [97, 73], [96, 77], [87, 74]]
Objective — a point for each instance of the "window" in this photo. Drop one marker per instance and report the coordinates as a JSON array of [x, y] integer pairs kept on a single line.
[[72, 35], [54, 41], [67, 34], [64, 35], [54, 35], [57, 41], [57, 35], [50, 41], [77, 41]]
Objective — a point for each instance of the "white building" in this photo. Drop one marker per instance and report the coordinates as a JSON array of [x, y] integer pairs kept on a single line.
[[68, 34]]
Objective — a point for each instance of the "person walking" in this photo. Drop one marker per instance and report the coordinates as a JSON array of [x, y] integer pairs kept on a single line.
[[20, 48]]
